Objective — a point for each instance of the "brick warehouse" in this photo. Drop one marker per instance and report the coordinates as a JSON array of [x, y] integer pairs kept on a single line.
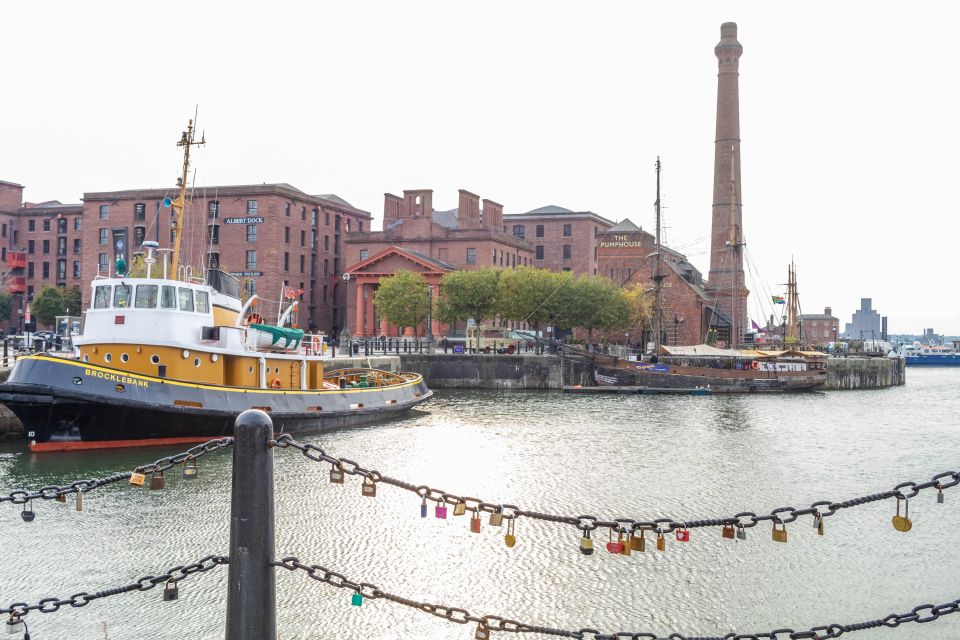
[[563, 240], [269, 236]]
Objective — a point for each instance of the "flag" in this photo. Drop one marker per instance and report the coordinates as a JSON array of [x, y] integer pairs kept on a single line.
[[755, 326], [778, 300]]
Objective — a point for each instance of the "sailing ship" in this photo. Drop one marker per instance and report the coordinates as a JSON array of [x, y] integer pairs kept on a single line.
[[174, 359], [703, 369]]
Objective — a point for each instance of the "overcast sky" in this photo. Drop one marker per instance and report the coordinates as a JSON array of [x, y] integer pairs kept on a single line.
[[849, 119]]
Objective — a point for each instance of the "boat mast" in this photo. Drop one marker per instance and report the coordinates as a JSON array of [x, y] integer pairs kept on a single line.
[[186, 141], [735, 243], [658, 277], [793, 307]]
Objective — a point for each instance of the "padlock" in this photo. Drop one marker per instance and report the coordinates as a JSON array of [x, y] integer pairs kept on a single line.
[[510, 539], [586, 543], [369, 488], [624, 540], [423, 507], [614, 547], [356, 599], [460, 508], [820, 527], [440, 511], [80, 500], [683, 535], [638, 542], [171, 591], [27, 514], [475, 522], [779, 535], [14, 625], [496, 518], [483, 632], [939, 493], [61, 497], [190, 468], [157, 481], [741, 532], [727, 531], [661, 542], [137, 479], [902, 523], [336, 474]]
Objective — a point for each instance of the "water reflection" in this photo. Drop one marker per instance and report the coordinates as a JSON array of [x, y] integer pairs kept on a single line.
[[635, 456]]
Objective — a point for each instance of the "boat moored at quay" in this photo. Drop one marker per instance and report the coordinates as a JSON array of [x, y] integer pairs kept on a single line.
[[174, 359]]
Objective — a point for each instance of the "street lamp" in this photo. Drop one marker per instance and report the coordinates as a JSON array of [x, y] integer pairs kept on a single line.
[[430, 312], [344, 331]]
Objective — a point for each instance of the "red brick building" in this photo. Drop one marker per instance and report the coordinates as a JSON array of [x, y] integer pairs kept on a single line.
[[40, 244], [819, 328], [270, 236], [563, 240]]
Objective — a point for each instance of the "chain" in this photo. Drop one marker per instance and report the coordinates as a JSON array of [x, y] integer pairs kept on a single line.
[[176, 574], [743, 520], [459, 615], [50, 492]]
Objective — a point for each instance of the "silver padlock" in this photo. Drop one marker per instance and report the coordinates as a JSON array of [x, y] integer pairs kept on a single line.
[[171, 591], [14, 625]]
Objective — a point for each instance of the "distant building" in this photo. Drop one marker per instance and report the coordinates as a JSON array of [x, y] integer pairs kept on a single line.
[[563, 240], [819, 328], [866, 323]]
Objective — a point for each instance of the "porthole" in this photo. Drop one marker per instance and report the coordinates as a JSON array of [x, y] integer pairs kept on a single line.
[[250, 370], [186, 354], [214, 357], [119, 388], [124, 357], [155, 359], [107, 357], [277, 370], [86, 358], [196, 362]]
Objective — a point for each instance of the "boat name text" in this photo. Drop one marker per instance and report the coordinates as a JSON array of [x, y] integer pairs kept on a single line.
[[112, 377]]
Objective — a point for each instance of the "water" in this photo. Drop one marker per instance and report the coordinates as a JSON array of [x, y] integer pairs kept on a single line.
[[637, 456]]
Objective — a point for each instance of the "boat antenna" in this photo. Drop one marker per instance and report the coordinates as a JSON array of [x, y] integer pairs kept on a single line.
[[186, 141], [658, 277]]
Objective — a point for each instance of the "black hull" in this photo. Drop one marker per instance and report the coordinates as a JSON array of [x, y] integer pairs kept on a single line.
[[62, 414]]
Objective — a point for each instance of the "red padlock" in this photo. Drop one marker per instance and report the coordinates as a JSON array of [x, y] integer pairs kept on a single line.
[[615, 547], [475, 522], [683, 535]]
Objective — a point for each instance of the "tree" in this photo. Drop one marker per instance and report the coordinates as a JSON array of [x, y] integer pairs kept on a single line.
[[640, 302], [532, 295], [6, 304], [598, 303], [72, 302], [468, 294], [47, 305], [403, 300]]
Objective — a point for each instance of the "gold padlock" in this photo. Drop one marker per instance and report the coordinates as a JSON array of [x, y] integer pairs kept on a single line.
[[369, 487], [496, 518], [625, 543], [638, 542], [586, 543], [661, 543], [460, 508], [157, 481], [137, 479], [903, 523], [779, 535], [483, 632], [80, 500], [510, 539], [336, 474]]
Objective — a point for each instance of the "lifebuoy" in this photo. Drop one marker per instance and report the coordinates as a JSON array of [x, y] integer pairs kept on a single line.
[[254, 318], [755, 365], [316, 345], [275, 383]]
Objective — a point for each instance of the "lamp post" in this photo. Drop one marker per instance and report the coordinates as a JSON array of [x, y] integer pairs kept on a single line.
[[345, 332], [428, 339]]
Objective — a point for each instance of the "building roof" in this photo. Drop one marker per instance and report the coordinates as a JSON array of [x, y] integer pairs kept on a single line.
[[447, 218], [816, 316], [624, 226], [11, 184], [550, 208], [332, 197], [434, 261]]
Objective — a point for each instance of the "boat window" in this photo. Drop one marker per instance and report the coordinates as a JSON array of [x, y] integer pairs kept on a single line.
[[203, 302], [168, 298], [121, 295], [101, 297], [186, 299], [146, 296]]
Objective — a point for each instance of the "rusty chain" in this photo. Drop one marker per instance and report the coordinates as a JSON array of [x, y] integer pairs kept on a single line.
[[51, 492], [176, 574], [459, 615], [742, 521]]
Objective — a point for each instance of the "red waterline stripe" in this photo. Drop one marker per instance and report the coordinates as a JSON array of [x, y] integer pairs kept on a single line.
[[114, 444]]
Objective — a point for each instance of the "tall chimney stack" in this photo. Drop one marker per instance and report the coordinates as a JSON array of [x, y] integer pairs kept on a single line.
[[726, 277]]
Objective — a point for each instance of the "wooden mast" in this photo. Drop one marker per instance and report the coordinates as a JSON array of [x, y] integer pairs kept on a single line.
[[658, 278], [186, 141], [793, 307]]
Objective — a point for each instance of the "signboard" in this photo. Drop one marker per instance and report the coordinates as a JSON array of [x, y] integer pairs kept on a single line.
[[253, 220], [246, 274], [458, 348], [120, 249]]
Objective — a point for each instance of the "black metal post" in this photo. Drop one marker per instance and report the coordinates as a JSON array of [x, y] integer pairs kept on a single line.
[[5, 341], [252, 596]]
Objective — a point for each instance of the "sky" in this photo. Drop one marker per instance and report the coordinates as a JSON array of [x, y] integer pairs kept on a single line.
[[849, 119]]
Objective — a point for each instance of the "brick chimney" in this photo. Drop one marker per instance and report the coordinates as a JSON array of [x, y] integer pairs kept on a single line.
[[828, 311], [492, 216], [418, 203], [468, 215], [392, 206]]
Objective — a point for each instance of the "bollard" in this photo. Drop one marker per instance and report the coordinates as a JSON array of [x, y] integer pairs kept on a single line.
[[5, 350], [252, 595]]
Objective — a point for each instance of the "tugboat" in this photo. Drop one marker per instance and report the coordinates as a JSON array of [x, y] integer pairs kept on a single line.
[[174, 359]]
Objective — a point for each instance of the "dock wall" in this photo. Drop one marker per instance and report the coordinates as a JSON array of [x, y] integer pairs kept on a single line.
[[864, 373]]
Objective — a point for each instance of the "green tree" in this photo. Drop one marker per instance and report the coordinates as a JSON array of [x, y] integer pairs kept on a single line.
[[468, 294], [598, 303], [535, 296], [403, 300], [640, 303], [47, 305], [6, 304], [72, 303]]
